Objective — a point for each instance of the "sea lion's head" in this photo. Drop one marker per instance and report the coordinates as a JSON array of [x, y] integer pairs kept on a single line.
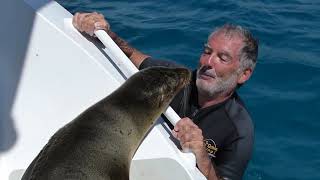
[[160, 84], [152, 89], [143, 97]]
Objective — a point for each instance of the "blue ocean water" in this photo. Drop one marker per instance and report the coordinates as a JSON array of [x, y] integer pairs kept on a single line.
[[283, 94]]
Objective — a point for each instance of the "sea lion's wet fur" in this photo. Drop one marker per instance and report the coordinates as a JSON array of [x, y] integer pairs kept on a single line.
[[100, 142]]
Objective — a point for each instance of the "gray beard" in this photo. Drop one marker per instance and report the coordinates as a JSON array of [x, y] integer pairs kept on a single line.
[[219, 88]]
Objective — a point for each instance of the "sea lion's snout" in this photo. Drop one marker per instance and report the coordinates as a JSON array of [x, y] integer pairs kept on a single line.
[[155, 87], [175, 79], [161, 84]]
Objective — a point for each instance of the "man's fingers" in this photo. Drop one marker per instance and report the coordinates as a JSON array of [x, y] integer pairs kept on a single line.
[[74, 20], [101, 24], [186, 137], [176, 128], [174, 133], [90, 22], [88, 25], [79, 20], [184, 122], [186, 147], [193, 134], [84, 22], [183, 133], [190, 136], [194, 146]]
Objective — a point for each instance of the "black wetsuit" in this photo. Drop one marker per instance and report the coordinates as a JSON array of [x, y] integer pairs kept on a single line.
[[227, 127]]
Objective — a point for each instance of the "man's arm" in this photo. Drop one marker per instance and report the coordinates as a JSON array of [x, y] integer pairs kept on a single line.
[[91, 22], [232, 161]]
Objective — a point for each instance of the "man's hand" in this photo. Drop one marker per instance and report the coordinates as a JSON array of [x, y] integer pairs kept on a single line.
[[191, 138], [90, 22]]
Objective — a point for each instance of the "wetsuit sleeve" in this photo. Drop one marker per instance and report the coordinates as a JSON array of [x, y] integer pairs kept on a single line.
[[235, 158], [150, 62], [237, 150]]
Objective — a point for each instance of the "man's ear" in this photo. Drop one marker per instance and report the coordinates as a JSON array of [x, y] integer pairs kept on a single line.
[[244, 76]]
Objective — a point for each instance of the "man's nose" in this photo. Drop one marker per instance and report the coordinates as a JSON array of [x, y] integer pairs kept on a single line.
[[211, 60]]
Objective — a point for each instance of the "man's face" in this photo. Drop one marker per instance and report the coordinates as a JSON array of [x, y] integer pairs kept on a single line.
[[219, 64]]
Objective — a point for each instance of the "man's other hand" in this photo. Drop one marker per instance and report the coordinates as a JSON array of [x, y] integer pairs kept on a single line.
[[191, 139]]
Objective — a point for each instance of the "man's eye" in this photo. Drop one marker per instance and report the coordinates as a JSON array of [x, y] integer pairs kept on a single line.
[[207, 51], [224, 58]]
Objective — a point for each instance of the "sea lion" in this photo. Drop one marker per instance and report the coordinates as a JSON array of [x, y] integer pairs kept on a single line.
[[101, 141]]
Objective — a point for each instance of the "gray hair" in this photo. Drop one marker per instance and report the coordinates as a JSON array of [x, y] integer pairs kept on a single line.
[[249, 52]]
